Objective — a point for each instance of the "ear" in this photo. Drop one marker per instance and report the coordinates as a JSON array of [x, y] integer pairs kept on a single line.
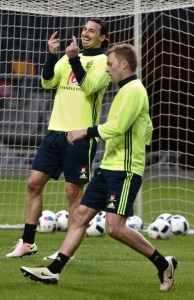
[[102, 38], [124, 64]]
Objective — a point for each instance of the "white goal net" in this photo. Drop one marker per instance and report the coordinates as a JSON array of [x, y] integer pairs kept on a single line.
[[81, 8], [162, 32]]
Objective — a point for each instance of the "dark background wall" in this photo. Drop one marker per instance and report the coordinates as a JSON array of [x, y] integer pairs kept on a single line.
[[167, 69]]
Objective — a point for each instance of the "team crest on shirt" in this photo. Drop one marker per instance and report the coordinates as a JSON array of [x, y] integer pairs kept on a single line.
[[112, 198], [72, 79], [89, 64], [83, 173]]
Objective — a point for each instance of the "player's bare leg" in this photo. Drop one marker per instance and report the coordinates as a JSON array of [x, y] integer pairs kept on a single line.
[[75, 234], [34, 204], [74, 196], [117, 229], [77, 229], [34, 197]]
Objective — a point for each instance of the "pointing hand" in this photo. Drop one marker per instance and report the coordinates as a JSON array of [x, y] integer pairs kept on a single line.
[[53, 43], [72, 50]]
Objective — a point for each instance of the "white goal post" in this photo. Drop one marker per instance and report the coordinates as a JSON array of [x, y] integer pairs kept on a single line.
[[162, 32]]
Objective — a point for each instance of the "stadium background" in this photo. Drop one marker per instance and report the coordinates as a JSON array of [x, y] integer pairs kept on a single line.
[[166, 71], [22, 39]]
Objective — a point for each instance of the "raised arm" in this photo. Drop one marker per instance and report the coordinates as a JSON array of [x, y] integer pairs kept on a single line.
[[53, 46]]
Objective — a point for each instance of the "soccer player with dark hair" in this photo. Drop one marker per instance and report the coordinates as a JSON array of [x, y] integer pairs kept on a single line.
[[116, 182], [81, 80]]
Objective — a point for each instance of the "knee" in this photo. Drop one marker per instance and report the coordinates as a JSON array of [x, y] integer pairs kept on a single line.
[[33, 185], [112, 231], [79, 219], [74, 192]]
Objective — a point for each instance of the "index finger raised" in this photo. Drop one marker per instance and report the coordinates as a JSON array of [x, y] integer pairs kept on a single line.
[[74, 40], [53, 36]]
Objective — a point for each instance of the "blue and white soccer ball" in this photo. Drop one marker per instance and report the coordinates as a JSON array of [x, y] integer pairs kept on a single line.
[[165, 216], [179, 224], [159, 230], [62, 220], [97, 226], [48, 212], [47, 222], [102, 214], [135, 222]]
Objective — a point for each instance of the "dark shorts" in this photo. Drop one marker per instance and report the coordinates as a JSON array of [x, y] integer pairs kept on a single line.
[[55, 156], [112, 191]]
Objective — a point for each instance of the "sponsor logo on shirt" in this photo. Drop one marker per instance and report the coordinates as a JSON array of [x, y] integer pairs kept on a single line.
[[72, 79]]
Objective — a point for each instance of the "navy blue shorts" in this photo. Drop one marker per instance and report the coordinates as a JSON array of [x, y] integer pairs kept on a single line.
[[112, 191], [56, 156]]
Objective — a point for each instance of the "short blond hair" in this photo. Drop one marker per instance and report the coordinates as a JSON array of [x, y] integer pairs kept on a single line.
[[127, 52]]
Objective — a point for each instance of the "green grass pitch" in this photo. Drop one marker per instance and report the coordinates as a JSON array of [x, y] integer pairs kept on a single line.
[[103, 269]]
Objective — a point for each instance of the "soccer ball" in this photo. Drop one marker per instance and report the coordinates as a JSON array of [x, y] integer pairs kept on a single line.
[[159, 230], [102, 214], [165, 216], [135, 222], [96, 226], [179, 224], [47, 222], [62, 220], [48, 212]]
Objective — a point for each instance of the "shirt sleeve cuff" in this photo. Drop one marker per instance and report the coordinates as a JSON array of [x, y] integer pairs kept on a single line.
[[48, 70], [93, 132]]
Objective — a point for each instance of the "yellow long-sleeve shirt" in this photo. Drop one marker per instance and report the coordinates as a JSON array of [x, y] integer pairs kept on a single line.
[[128, 129], [77, 106]]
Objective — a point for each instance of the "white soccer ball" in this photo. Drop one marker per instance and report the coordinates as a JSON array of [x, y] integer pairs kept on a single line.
[[135, 222], [102, 214], [165, 216], [48, 212], [179, 224], [159, 230], [47, 222], [62, 220], [96, 226]]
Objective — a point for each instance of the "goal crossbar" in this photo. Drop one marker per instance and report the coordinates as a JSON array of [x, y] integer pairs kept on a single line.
[[91, 8]]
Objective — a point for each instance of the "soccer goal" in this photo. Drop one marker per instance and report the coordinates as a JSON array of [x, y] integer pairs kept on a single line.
[[162, 32]]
